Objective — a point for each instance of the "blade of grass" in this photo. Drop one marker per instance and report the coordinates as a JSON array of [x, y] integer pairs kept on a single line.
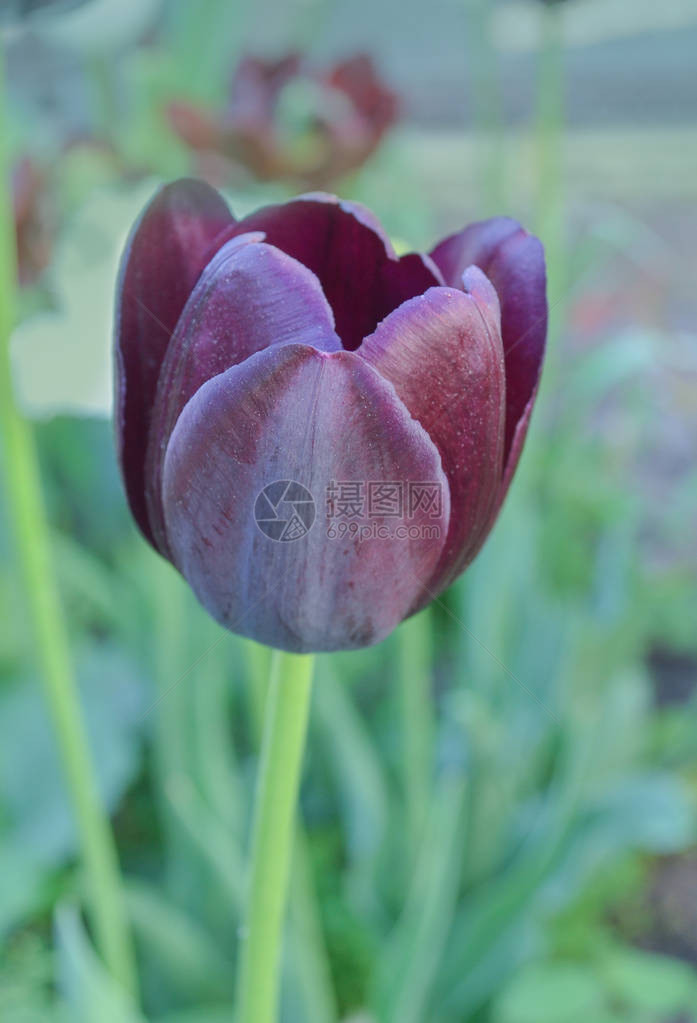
[[496, 908], [355, 761], [188, 957], [217, 768], [309, 953], [411, 961], [91, 992], [225, 860], [416, 716], [215, 844]]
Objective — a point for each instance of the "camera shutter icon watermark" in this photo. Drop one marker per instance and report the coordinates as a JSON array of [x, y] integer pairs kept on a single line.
[[284, 511]]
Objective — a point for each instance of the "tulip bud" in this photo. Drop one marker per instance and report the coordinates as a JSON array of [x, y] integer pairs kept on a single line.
[[317, 433]]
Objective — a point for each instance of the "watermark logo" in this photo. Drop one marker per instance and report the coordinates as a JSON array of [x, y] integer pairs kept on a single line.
[[284, 511], [353, 509], [383, 510]]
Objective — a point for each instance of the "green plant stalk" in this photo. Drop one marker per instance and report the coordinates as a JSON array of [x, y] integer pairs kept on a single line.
[[414, 693], [307, 967], [487, 108], [310, 954], [550, 136], [283, 745], [313, 972], [24, 498], [549, 147], [256, 677]]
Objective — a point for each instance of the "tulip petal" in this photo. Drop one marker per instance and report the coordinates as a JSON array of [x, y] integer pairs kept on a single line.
[[164, 257], [443, 353], [514, 262], [250, 296], [343, 244], [295, 414]]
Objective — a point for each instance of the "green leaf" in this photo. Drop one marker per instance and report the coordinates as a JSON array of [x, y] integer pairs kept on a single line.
[[356, 765], [40, 832], [653, 811], [89, 990], [651, 983], [27, 993], [181, 948], [411, 958], [551, 993], [215, 1014]]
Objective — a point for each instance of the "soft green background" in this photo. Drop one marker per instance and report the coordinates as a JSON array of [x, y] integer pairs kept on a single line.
[[499, 803]]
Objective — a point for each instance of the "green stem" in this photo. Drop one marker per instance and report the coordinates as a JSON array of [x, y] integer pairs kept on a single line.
[[256, 676], [25, 501], [487, 108], [311, 962], [550, 202], [414, 692], [272, 838], [550, 134]]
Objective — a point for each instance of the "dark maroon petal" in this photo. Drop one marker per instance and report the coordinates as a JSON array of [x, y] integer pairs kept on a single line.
[[476, 244], [164, 257], [357, 268], [250, 296], [514, 262], [514, 454], [295, 414], [443, 353]]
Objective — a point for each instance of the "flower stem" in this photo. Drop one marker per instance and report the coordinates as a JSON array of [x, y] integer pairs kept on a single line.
[[487, 108], [550, 125], [25, 503], [550, 138], [283, 744], [415, 695], [258, 659]]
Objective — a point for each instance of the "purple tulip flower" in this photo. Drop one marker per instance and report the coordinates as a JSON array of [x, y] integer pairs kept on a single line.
[[317, 433]]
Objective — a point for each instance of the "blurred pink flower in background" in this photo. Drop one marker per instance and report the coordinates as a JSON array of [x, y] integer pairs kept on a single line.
[[286, 120]]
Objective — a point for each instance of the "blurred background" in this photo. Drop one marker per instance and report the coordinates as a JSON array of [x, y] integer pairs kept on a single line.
[[499, 804]]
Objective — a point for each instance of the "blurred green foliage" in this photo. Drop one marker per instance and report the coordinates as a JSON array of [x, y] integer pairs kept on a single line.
[[553, 777]]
